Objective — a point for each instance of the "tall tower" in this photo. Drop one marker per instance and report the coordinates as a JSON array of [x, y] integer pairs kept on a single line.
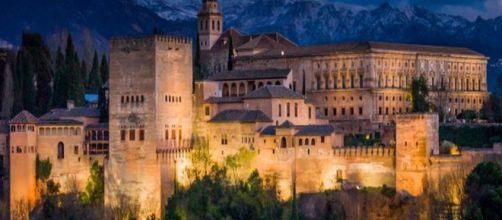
[[150, 110], [209, 24], [23, 142]]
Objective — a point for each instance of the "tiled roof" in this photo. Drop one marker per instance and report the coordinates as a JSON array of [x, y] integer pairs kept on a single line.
[[273, 92], [59, 122], [241, 116], [69, 113], [303, 130], [286, 124], [251, 74], [228, 99], [361, 47], [24, 117], [100, 126], [261, 40]]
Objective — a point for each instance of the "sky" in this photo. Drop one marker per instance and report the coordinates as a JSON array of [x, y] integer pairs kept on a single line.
[[469, 9]]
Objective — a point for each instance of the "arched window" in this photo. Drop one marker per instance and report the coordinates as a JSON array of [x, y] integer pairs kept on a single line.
[[242, 89], [306, 142], [60, 150], [260, 84], [313, 141], [300, 142], [226, 91], [283, 142]]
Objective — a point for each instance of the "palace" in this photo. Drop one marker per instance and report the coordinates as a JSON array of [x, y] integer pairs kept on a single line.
[[291, 105]]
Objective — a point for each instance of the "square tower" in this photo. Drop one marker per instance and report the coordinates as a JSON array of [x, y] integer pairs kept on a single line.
[[417, 139], [150, 93]]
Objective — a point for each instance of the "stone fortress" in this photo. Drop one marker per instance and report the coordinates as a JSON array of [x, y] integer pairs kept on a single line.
[[291, 105]]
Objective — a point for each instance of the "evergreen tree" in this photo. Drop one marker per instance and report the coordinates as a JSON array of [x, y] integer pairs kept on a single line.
[[84, 74], [18, 84], [197, 66], [42, 63], [230, 54], [60, 82], [72, 69], [95, 82], [491, 109], [419, 94], [104, 69]]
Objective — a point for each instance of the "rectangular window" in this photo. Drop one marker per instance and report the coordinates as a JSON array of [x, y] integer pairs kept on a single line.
[[207, 111], [294, 86], [75, 149], [280, 110], [296, 109], [287, 110], [132, 135], [310, 112], [179, 134], [334, 111], [141, 135], [167, 134], [343, 111], [322, 139], [387, 111], [173, 134], [351, 111], [380, 110], [360, 111], [122, 135], [325, 111]]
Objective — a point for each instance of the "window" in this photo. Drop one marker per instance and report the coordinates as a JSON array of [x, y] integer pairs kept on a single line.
[[334, 111], [351, 111], [343, 111], [360, 111], [322, 139], [75, 149], [60, 150], [287, 110], [283, 142], [141, 135], [179, 134], [313, 141], [132, 134], [224, 139], [325, 111], [300, 142], [296, 109], [306, 142], [173, 134], [122, 135], [280, 110], [310, 112], [167, 135], [207, 111]]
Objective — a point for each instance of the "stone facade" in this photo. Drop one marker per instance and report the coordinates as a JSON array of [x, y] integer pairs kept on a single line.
[[150, 90]]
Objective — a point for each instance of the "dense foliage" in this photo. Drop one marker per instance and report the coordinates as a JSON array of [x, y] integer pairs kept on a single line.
[[419, 94], [491, 110], [95, 188], [483, 192], [475, 136], [43, 169]]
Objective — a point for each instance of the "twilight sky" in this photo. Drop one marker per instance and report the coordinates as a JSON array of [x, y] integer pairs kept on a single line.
[[467, 8]]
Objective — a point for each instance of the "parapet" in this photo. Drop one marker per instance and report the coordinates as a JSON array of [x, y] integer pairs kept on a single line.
[[363, 151], [126, 41], [415, 116]]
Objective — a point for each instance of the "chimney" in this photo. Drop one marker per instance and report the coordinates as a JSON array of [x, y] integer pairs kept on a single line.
[[70, 104]]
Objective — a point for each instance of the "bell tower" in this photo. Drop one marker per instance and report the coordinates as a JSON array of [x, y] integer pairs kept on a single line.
[[209, 24]]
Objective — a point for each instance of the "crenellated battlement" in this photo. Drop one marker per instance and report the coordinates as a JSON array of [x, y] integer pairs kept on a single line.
[[148, 40]]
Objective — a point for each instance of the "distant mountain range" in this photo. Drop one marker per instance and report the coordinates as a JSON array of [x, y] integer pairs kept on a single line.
[[303, 21]]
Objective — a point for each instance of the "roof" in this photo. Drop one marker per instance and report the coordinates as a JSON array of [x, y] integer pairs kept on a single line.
[[251, 74], [100, 126], [244, 116], [286, 124], [270, 91], [228, 99], [71, 113], [302, 130], [59, 122], [24, 117], [242, 41], [362, 47]]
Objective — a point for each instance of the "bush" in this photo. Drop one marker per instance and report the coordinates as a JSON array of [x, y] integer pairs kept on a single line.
[[483, 192], [471, 136]]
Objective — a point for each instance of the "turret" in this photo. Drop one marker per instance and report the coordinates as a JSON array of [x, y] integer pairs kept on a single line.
[[210, 24]]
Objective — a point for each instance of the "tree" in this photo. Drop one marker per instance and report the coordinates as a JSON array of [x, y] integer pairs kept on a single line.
[[95, 82], [230, 64], [60, 94], [418, 95], [483, 192], [72, 69], [197, 65], [43, 169], [94, 190], [105, 71], [84, 75], [491, 109]]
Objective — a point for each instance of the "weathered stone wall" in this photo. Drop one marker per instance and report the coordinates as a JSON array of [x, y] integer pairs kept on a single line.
[[154, 77]]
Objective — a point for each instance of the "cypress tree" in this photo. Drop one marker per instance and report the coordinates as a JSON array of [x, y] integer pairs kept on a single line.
[[104, 69], [95, 75], [72, 69], [18, 84], [60, 82], [42, 65], [197, 66], [230, 54], [84, 74]]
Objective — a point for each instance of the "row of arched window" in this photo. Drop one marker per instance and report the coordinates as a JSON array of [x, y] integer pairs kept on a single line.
[[247, 140], [346, 82], [132, 135], [22, 128], [242, 89], [173, 134], [305, 142], [172, 99], [98, 135], [23, 149], [288, 110], [60, 131], [132, 99], [206, 24]]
